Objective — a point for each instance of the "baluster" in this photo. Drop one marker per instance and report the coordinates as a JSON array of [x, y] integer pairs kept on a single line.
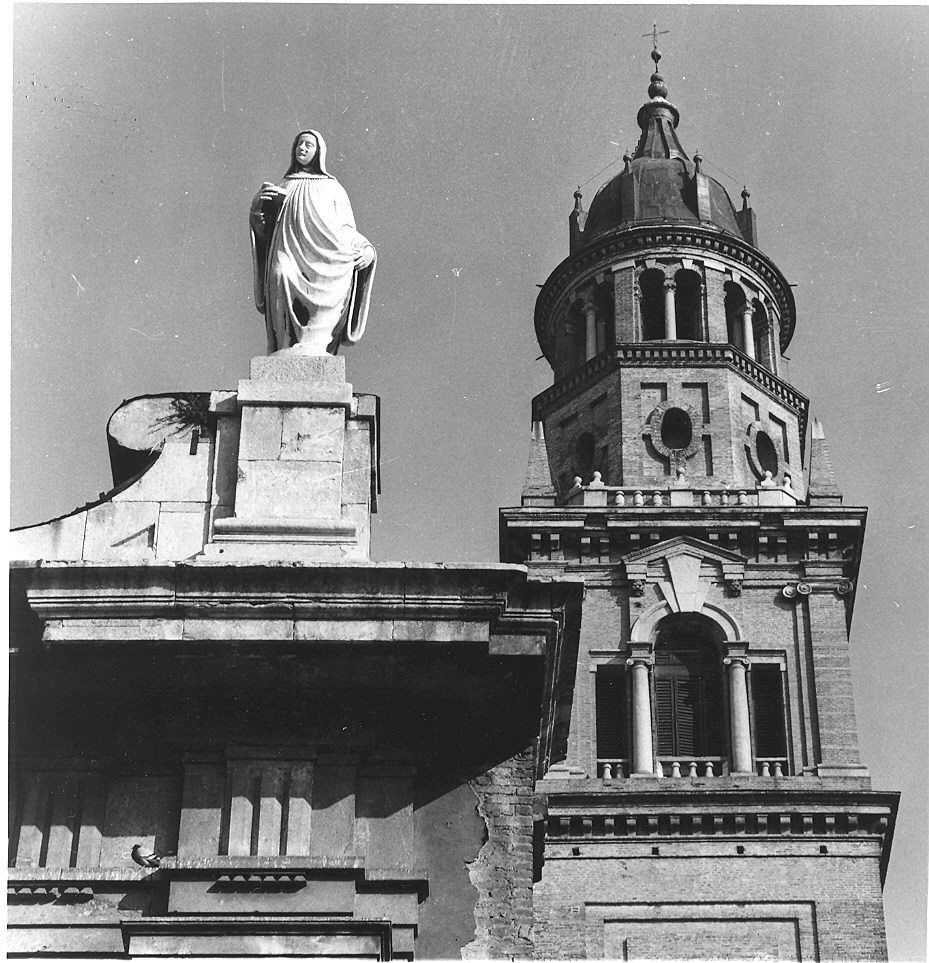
[[777, 769], [709, 769], [638, 499], [619, 499], [676, 769], [743, 498], [707, 498], [607, 771], [724, 499], [764, 768], [656, 499], [692, 769]]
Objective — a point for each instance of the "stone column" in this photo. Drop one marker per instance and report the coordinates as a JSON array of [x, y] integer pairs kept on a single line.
[[748, 336], [642, 762], [590, 318], [670, 318], [738, 714]]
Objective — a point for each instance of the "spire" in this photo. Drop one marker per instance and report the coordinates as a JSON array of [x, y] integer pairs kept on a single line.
[[576, 221], [823, 487], [658, 118], [748, 223], [538, 488]]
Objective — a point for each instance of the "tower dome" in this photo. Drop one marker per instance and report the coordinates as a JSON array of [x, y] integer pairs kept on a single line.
[[660, 182]]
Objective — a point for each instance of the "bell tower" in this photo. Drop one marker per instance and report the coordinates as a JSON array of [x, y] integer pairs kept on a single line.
[[710, 802]]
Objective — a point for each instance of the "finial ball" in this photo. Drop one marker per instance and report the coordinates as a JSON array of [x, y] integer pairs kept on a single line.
[[657, 87]]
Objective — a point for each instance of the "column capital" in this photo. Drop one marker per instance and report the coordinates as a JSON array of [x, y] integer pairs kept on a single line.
[[735, 650], [645, 660], [669, 284], [737, 660]]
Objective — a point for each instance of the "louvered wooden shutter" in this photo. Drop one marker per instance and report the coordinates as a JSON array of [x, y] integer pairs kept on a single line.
[[611, 713], [768, 697], [687, 714], [664, 712]]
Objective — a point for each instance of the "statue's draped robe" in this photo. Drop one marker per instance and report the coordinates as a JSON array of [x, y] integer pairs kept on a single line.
[[305, 278]]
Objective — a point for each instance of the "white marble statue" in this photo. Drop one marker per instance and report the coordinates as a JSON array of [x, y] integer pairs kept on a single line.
[[313, 270]]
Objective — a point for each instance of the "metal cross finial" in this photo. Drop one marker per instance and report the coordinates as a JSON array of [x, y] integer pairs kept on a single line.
[[655, 34]]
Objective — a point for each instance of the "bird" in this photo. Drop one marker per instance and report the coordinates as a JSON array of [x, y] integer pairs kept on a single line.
[[144, 858]]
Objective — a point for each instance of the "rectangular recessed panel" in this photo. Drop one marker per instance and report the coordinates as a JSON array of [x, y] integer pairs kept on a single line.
[[702, 939]]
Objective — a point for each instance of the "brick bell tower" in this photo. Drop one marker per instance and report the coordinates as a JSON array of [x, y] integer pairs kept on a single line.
[[711, 802]]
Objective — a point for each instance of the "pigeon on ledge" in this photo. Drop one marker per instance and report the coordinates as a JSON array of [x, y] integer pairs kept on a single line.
[[145, 858]]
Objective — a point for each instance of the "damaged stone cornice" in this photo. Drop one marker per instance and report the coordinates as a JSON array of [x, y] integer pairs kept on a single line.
[[200, 601]]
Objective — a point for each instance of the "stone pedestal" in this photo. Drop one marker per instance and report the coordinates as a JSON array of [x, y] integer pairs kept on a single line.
[[304, 465]]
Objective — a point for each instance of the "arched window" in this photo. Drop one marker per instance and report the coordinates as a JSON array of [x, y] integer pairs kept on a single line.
[[734, 304], [651, 302], [689, 703], [688, 305]]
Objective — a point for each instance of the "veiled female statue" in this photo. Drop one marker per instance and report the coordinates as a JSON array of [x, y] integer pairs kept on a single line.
[[313, 270]]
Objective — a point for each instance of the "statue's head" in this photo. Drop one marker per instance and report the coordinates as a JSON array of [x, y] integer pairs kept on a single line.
[[308, 153]]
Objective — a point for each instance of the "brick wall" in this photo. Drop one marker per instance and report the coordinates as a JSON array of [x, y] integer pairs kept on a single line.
[[694, 904], [502, 871]]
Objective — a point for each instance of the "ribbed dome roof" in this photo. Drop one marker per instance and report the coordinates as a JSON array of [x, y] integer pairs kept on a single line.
[[659, 182]]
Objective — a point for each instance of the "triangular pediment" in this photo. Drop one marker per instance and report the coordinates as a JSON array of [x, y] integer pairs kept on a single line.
[[684, 545], [685, 559]]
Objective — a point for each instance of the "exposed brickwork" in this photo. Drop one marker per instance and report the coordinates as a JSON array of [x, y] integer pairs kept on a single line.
[[842, 894], [615, 409], [502, 872]]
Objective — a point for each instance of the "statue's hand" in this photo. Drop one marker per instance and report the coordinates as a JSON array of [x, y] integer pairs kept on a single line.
[[270, 192], [364, 257]]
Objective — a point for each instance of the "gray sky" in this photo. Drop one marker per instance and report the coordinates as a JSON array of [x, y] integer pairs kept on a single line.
[[141, 133]]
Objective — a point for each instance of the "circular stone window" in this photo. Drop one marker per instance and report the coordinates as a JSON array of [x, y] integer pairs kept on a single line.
[[670, 427], [763, 452]]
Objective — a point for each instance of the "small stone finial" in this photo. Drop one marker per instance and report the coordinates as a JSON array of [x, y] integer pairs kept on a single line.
[[698, 162], [577, 482], [597, 480], [746, 194], [627, 160], [578, 206]]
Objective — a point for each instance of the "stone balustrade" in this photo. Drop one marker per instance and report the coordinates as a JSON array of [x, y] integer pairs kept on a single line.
[[773, 766], [595, 495], [612, 768], [691, 767]]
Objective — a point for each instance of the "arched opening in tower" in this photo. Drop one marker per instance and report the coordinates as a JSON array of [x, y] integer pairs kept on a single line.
[[689, 700], [651, 303], [735, 308], [688, 306]]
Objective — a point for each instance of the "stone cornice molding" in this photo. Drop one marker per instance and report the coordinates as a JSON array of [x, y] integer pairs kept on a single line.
[[663, 354], [503, 593]]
